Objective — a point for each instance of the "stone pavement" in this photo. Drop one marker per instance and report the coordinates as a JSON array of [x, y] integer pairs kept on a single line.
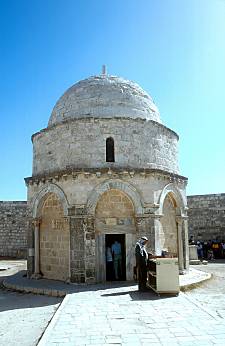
[[117, 314], [9, 267], [24, 317], [124, 316]]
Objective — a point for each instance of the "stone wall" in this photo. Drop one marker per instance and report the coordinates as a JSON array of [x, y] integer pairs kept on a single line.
[[207, 216], [13, 229], [54, 240]]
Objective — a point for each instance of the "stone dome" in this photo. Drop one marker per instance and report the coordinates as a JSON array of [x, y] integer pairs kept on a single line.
[[104, 96]]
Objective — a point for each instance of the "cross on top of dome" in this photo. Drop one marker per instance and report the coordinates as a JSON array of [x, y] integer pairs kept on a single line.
[[104, 71]]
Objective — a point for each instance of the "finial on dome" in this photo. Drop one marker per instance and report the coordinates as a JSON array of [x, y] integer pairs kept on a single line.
[[103, 70]]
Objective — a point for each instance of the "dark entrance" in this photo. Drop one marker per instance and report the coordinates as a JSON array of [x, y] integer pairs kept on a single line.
[[115, 265]]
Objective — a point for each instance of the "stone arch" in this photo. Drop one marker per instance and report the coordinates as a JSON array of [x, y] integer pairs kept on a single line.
[[54, 237], [110, 184], [172, 211], [169, 231], [118, 196], [176, 197], [42, 195], [115, 206]]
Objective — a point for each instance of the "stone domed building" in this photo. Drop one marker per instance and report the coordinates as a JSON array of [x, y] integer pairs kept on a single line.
[[105, 168]]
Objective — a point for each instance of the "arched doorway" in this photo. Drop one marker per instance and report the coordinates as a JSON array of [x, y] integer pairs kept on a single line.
[[115, 221], [54, 240], [169, 237]]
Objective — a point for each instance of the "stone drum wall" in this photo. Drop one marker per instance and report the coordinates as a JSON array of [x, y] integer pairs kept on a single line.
[[207, 216], [13, 229], [82, 144]]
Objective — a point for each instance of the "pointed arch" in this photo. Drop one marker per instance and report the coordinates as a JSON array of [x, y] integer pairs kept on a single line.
[[41, 196], [123, 186], [176, 197]]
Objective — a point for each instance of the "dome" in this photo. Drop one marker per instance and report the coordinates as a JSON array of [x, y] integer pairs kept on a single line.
[[104, 96]]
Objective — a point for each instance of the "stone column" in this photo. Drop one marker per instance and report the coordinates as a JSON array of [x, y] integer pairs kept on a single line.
[[78, 226], [140, 223], [158, 234], [77, 265], [36, 248], [89, 248], [179, 222], [186, 245], [145, 226], [30, 250]]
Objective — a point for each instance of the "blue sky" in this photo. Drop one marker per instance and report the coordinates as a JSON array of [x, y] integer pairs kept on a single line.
[[175, 49]]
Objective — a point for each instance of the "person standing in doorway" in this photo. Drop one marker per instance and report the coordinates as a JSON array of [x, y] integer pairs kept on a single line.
[[109, 264], [117, 259], [141, 263]]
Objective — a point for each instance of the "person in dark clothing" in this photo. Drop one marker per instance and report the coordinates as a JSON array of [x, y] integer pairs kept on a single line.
[[141, 262], [205, 248]]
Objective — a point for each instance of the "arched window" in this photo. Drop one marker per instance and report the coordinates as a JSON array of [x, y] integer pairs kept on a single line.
[[110, 156]]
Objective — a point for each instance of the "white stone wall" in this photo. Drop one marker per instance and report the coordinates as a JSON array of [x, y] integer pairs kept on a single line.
[[82, 143]]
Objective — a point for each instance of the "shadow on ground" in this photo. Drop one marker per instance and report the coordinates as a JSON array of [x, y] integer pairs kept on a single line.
[[137, 295], [13, 300]]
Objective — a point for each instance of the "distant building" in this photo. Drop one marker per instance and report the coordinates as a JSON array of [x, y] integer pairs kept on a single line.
[[105, 168]]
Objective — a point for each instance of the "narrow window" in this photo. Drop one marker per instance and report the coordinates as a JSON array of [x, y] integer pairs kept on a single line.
[[110, 156]]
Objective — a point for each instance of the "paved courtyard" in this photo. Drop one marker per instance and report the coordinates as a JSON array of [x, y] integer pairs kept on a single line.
[[123, 316], [23, 317], [98, 315], [211, 294]]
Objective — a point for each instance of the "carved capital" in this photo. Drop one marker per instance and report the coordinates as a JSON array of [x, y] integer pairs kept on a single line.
[[181, 219], [36, 222], [140, 220]]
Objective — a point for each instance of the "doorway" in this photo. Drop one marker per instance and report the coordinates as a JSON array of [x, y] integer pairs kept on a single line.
[[115, 265]]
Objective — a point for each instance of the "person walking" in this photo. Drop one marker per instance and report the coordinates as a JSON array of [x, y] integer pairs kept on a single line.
[[141, 263]]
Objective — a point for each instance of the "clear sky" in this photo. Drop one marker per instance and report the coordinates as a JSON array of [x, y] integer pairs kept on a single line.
[[175, 49]]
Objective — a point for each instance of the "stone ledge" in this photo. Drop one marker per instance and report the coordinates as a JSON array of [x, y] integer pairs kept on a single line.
[[18, 282], [193, 279], [115, 171], [194, 262], [19, 286]]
